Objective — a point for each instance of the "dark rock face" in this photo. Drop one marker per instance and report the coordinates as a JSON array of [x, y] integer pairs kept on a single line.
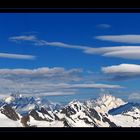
[[24, 120], [56, 117], [35, 115], [77, 107], [105, 119], [68, 111], [66, 123], [43, 111], [70, 115], [9, 112], [94, 114], [86, 121]]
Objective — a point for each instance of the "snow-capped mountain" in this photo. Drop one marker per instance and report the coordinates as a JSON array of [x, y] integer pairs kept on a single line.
[[105, 103], [9, 117], [130, 118], [24, 104], [77, 114], [21, 104], [124, 108], [127, 115], [106, 111]]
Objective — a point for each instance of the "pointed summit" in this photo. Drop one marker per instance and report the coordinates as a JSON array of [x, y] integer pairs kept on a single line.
[[106, 102], [9, 99]]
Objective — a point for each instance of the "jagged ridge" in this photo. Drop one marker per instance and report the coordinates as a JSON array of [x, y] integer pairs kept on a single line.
[[31, 112]]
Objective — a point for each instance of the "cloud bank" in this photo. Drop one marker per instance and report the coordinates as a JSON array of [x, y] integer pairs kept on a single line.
[[23, 38], [122, 68], [17, 56], [125, 52], [40, 42], [44, 81], [133, 39], [122, 71], [134, 96]]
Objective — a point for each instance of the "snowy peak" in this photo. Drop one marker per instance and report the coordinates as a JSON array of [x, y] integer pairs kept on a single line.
[[76, 105], [72, 108], [106, 111], [24, 104], [78, 114], [19, 99], [107, 102], [9, 99], [107, 99], [21, 104]]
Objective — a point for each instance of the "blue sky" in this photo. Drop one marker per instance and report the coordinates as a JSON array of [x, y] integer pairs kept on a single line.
[[85, 54]]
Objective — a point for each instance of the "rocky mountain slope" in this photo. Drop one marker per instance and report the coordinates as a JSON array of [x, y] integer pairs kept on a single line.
[[106, 111]]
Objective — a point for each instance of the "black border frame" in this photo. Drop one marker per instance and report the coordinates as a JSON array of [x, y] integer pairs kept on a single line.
[[19, 6]]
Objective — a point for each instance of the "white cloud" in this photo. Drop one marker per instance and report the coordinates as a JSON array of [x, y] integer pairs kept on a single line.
[[28, 87], [126, 52], [45, 81], [40, 42], [134, 96], [61, 44], [95, 86], [104, 50], [122, 68], [23, 38], [57, 93], [17, 56], [122, 72], [103, 26], [134, 39], [98, 86], [44, 73], [2, 95]]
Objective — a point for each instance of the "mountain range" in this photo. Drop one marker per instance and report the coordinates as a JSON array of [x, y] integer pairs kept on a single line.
[[106, 111]]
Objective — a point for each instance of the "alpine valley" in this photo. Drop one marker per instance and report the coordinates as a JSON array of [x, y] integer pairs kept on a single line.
[[106, 111]]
